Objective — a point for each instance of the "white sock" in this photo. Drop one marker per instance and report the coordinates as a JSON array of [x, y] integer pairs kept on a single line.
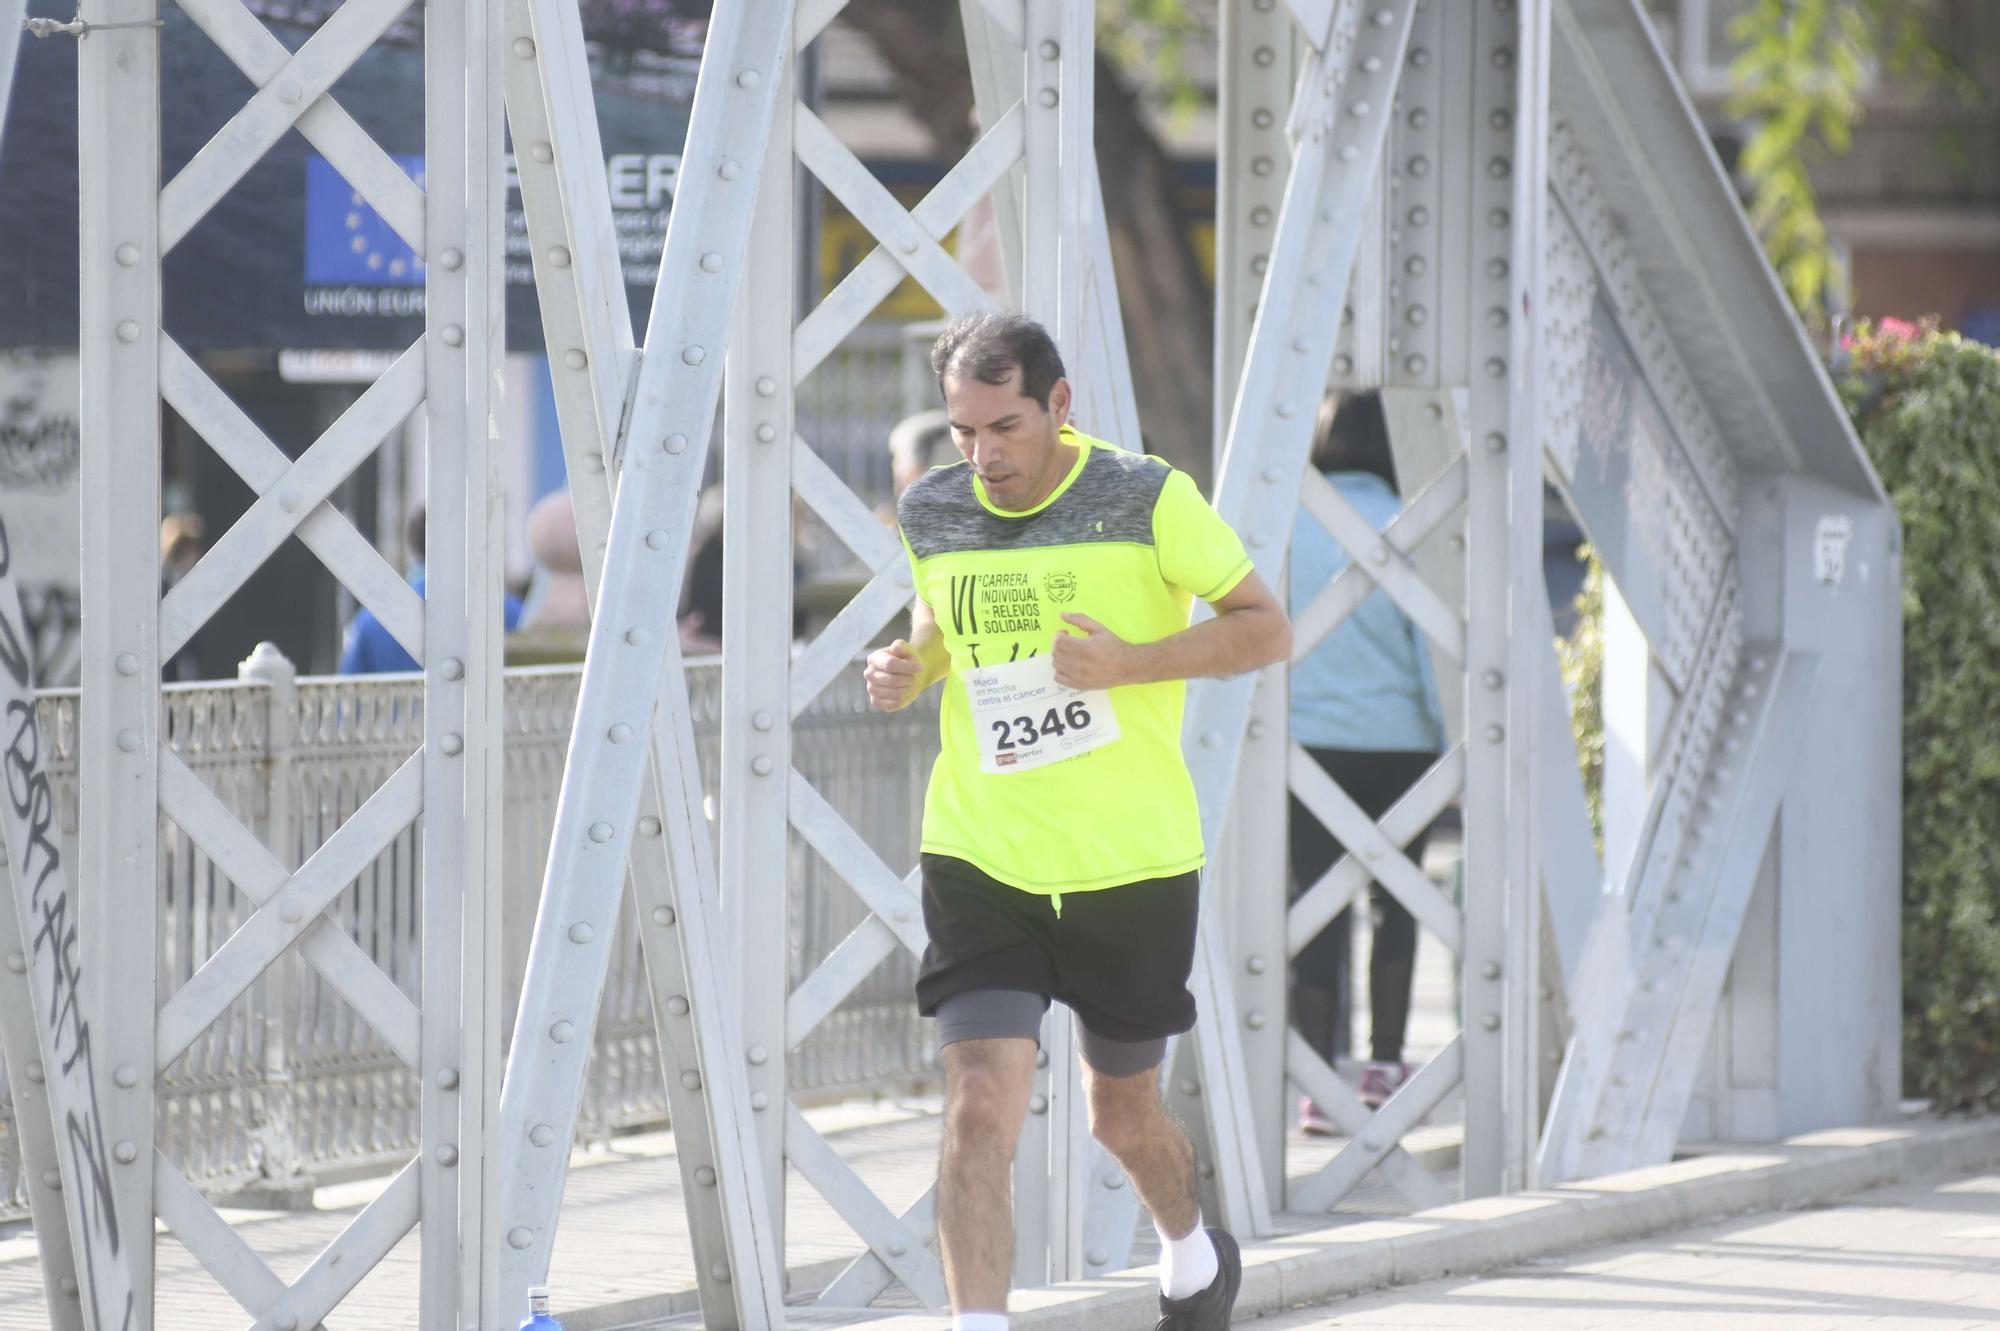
[[1187, 1264], [979, 1322]]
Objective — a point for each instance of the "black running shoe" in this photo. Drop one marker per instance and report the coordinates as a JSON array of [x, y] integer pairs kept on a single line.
[[1207, 1310]]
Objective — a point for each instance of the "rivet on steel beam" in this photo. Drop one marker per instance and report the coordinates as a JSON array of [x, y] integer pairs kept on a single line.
[[288, 1322], [1419, 57], [1496, 269], [721, 1273], [447, 1156], [541, 1134], [1260, 216], [1493, 679], [1048, 97], [1384, 17], [694, 356], [1434, 411], [290, 911], [34, 1066], [762, 721], [451, 260], [656, 539], [126, 664], [1378, 554], [749, 78], [1359, 109], [705, 1176], [677, 1005], [758, 1055], [636, 636], [1495, 733], [1254, 1020], [761, 765], [1349, 153], [675, 444], [128, 331], [562, 1032], [766, 386], [1038, 1104], [1498, 218], [1260, 264], [1418, 117], [1420, 216], [447, 1079], [127, 255], [542, 153], [17, 963], [1190, 1088], [1419, 166], [452, 668], [52, 1179], [1050, 51], [126, 1076], [1491, 970], [575, 359], [664, 917], [691, 1079], [1496, 317], [451, 744], [1260, 166], [1499, 168], [711, 262], [730, 169], [1496, 443], [759, 1101], [1343, 364], [289, 93], [1371, 64], [1115, 1180], [767, 433], [593, 462], [1416, 363], [1262, 118], [580, 932], [619, 733], [524, 47], [900, 914], [1263, 56], [1491, 1021], [1272, 475], [520, 1236], [649, 826], [600, 832], [1257, 729], [1503, 57], [1256, 964]]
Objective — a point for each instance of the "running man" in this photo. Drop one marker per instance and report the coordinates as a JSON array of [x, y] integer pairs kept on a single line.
[[1062, 844]]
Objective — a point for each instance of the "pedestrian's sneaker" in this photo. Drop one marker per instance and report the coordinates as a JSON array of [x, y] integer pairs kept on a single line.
[[1312, 1122], [1207, 1310], [1379, 1081]]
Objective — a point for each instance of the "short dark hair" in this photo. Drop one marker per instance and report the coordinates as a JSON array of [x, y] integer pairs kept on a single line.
[[989, 347], [1352, 434]]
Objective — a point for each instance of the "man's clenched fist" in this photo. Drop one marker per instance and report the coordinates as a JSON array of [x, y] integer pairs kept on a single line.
[[892, 673]]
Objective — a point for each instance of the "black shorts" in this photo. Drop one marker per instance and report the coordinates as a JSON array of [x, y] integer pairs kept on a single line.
[[1118, 957]]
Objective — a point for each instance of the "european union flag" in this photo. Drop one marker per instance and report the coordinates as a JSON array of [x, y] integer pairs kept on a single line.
[[347, 242]]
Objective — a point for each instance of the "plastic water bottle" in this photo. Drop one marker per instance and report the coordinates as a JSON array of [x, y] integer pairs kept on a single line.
[[538, 1318]]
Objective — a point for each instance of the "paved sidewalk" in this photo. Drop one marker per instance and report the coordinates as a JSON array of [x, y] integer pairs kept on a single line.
[[1918, 1255]]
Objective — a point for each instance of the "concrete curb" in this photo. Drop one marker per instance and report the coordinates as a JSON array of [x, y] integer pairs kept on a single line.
[[1488, 1234]]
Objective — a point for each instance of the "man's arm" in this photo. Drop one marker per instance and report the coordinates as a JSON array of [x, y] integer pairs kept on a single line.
[[1250, 631], [896, 674]]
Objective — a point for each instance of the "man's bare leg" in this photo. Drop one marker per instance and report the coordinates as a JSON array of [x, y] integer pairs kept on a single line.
[[1128, 1117], [986, 1087]]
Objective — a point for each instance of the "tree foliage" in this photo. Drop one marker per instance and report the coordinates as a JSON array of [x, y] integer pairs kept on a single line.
[[1927, 407], [1799, 75]]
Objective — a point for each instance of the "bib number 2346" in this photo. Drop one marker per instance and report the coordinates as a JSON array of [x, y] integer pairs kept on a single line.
[[1024, 719]]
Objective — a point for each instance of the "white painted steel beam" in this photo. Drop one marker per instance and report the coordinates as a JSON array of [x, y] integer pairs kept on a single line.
[[118, 77], [1341, 117], [632, 659]]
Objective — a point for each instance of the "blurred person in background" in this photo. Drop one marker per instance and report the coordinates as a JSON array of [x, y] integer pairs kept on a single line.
[[369, 648], [1364, 704]]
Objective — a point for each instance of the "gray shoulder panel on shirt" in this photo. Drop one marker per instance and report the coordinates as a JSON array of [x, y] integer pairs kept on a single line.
[[1111, 501]]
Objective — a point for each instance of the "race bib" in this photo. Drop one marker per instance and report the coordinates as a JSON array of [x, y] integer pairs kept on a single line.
[[1024, 719]]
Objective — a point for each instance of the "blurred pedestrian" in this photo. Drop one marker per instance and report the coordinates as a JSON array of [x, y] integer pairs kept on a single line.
[[369, 648], [1364, 704]]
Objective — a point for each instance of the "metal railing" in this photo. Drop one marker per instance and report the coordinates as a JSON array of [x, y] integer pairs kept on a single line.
[[290, 1088]]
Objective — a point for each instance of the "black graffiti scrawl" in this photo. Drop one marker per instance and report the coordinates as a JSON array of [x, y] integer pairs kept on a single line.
[[47, 917]]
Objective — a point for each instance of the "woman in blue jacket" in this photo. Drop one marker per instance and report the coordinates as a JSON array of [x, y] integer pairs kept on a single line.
[[1364, 704]]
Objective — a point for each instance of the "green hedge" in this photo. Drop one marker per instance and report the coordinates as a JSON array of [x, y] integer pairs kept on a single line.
[[1927, 407]]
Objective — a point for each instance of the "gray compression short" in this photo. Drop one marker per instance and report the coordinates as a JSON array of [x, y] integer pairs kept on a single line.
[[1012, 1014]]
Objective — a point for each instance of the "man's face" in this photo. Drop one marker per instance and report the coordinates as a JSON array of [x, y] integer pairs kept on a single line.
[[1009, 438]]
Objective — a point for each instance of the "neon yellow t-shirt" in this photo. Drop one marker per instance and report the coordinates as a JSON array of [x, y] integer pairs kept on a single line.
[[1127, 540]]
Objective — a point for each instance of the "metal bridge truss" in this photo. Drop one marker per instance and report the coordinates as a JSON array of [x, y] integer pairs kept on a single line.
[[1404, 203]]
